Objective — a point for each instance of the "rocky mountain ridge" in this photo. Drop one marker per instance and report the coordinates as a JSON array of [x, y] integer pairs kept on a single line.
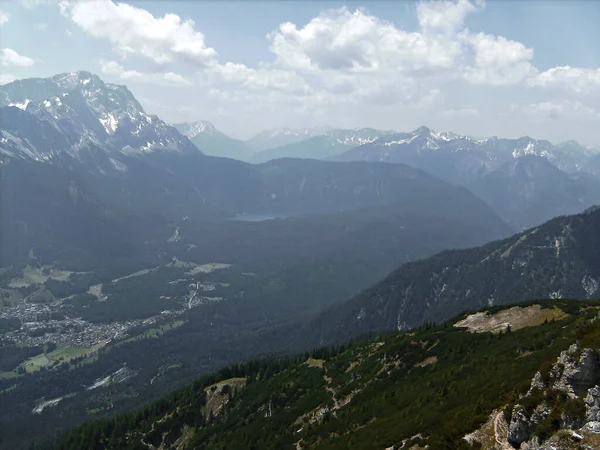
[[322, 146], [462, 159], [80, 110]]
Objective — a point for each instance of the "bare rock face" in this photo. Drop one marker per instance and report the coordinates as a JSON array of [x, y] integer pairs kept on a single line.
[[585, 374], [576, 373], [532, 444], [537, 383], [592, 403], [520, 427]]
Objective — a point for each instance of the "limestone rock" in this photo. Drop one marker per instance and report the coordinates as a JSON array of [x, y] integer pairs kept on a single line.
[[519, 429]]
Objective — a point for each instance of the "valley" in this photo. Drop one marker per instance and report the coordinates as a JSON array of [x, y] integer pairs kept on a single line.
[[137, 256]]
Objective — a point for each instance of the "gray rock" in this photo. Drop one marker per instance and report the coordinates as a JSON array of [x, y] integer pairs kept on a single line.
[[532, 444], [537, 383], [519, 429], [576, 375], [593, 427], [592, 403]]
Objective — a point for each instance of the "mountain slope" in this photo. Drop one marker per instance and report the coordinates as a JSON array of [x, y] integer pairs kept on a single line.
[[527, 181], [89, 114], [212, 142], [530, 190], [438, 387], [56, 214], [333, 142], [557, 259]]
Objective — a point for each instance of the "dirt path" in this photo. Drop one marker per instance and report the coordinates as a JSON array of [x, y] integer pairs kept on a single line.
[[501, 432]]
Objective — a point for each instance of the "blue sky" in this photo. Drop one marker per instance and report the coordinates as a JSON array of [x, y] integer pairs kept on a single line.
[[503, 68]]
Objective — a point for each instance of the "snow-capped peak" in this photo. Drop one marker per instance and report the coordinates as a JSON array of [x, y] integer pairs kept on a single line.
[[192, 130], [90, 113]]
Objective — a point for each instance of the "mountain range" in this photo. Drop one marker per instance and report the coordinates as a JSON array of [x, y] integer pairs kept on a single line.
[[323, 146], [462, 159], [114, 220], [100, 142], [527, 181]]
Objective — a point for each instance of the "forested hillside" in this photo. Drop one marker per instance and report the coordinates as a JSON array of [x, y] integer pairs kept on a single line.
[[559, 259], [436, 387]]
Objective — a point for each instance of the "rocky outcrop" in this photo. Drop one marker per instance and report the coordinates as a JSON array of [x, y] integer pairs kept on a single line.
[[576, 373], [592, 403], [522, 425]]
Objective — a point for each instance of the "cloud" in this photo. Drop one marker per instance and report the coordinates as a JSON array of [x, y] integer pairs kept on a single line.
[[241, 76], [356, 42], [461, 112], [366, 59], [12, 58], [558, 109], [497, 60], [445, 16], [344, 63], [166, 79], [134, 31], [3, 17], [578, 80]]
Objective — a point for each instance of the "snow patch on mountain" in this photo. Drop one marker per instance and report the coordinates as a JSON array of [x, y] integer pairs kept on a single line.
[[22, 105], [110, 123]]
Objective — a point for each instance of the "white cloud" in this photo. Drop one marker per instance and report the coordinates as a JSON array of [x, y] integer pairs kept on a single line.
[[241, 76], [12, 58], [461, 112], [3, 17], [558, 109], [167, 79], [578, 80], [444, 16], [345, 63], [134, 31], [356, 42], [362, 57], [498, 60]]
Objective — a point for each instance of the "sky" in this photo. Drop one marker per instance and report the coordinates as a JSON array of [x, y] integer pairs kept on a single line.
[[505, 68]]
